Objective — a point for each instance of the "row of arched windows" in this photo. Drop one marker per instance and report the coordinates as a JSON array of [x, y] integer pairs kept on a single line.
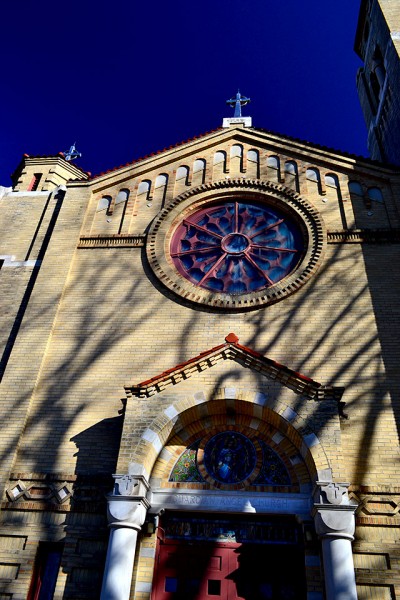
[[109, 207], [290, 170], [312, 174], [373, 194], [105, 203]]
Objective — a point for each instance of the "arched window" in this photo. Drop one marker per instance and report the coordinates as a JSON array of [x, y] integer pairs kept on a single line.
[[312, 174], [236, 154], [375, 194], [252, 156], [331, 180], [102, 219], [144, 188], [219, 157], [104, 203], [199, 165], [272, 470], [376, 88], [252, 163], [236, 150], [273, 162], [332, 189], [120, 207], [219, 165], [199, 169], [291, 179], [313, 181], [181, 179], [122, 196], [291, 167], [378, 66], [182, 173], [160, 188], [273, 168], [355, 188], [161, 181]]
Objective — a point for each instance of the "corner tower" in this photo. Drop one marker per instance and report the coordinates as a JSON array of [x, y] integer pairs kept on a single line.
[[378, 45]]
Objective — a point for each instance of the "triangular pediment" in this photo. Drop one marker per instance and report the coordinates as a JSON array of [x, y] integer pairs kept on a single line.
[[247, 358], [257, 138]]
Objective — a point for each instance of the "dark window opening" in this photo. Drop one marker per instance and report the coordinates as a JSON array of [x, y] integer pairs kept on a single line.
[[34, 184], [45, 572], [375, 88]]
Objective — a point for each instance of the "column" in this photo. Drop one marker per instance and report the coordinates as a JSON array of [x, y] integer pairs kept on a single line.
[[335, 524], [126, 512]]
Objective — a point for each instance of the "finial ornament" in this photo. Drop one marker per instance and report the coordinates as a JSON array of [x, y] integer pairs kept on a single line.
[[72, 153], [238, 101]]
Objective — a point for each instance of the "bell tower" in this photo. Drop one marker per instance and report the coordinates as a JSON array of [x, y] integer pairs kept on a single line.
[[378, 45]]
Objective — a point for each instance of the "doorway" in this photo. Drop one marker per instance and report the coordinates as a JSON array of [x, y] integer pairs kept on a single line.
[[206, 557]]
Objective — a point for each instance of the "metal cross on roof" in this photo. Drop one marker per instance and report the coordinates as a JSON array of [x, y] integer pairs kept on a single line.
[[238, 101], [72, 153]]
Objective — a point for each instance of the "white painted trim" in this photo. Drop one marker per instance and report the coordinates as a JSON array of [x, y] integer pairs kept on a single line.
[[235, 502], [9, 261]]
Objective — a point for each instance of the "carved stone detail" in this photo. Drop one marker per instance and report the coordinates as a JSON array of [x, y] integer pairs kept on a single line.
[[130, 485], [123, 512], [333, 511], [127, 506], [333, 493]]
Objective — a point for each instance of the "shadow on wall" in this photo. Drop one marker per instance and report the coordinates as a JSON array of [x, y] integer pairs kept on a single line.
[[324, 330]]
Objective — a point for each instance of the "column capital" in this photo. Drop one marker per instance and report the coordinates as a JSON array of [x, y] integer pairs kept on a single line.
[[130, 485], [332, 511], [127, 505]]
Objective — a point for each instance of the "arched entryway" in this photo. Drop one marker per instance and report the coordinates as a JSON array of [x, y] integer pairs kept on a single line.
[[232, 488], [151, 495]]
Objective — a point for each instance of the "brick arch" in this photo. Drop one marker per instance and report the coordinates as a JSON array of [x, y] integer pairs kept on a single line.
[[253, 428], [182, 419]]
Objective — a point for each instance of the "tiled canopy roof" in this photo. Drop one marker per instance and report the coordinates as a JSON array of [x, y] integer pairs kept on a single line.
[[232, 350]]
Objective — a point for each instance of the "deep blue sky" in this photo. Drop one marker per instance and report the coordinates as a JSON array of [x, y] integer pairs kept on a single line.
[[129, 77]]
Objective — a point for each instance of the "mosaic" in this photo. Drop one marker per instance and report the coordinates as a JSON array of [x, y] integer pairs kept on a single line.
[[185, 469], [236, 247]]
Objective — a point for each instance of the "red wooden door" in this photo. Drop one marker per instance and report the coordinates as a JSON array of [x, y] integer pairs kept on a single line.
[[197, 572], [210, 571]]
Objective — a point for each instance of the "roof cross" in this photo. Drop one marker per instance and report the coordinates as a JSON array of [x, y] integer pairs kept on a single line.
[[72, 153], [238, 101]]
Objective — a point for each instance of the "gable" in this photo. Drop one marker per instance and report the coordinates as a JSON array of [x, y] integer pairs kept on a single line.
[[125, 200], [242, 357]]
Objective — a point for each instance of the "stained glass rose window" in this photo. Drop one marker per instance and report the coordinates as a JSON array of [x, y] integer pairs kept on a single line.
[[237, 247]]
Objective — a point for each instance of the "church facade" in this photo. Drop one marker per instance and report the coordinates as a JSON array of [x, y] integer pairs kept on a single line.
[[200, 384], [199, 365]]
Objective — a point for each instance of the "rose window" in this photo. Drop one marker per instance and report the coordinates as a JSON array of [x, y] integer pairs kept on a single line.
[[237, 247]]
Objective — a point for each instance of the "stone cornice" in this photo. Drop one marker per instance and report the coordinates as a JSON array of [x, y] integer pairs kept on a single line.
[[364, 236], [343, 236], [135, 240]]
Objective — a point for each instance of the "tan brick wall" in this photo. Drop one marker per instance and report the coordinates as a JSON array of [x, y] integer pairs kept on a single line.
[[98, 319]]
